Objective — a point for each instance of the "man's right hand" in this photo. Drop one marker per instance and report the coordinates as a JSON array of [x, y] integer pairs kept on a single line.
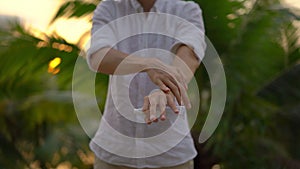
[[168, 78]]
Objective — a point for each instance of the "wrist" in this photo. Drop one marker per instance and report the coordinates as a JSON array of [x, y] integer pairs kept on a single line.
[[150, 63], [155, 90], [142, 63]]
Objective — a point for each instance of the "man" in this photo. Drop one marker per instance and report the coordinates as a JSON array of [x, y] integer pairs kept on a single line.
[[130, 40]]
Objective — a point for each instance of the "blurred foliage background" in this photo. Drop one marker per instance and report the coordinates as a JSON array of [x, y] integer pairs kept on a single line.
[[258, 43]]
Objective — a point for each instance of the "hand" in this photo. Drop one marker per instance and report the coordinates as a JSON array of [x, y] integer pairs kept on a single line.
[[158, 99], [169, 79]]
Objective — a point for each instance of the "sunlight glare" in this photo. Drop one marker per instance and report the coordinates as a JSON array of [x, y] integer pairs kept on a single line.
[[37, 15], [52, 67], [71, 29]]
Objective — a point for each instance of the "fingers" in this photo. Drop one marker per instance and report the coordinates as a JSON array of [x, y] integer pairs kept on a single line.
[[182, 85], [171, 103], [162, 106], [157, 99], [147, 117], [169, 80], [182, 79], [175, 90], [145, 109], [146, 103], [178, 86], [185, 98], [182, 89], [153, 105], [162, 86], [163, 116]]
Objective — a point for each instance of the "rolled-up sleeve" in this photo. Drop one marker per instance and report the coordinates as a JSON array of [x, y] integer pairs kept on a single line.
[[190, 31], [102, 34]]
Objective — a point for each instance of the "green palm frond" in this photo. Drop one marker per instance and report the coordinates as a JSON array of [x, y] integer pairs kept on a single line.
[[33, 102], [258, 43], [266, 46], [75, 9]]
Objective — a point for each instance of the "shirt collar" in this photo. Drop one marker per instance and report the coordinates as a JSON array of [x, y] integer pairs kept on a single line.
[[138, 7]]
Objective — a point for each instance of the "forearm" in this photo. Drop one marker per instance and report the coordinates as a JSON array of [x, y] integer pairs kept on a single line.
[[186, 61], [107, 61]]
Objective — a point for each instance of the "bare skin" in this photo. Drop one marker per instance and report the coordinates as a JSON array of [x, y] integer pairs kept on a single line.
[[161, 99], [172, 80], [168, 78], [185, 74], [147, 4]]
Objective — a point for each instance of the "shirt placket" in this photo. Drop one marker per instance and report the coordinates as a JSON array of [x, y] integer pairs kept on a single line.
[[139, 130]]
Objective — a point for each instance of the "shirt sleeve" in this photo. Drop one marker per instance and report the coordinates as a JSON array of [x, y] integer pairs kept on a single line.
[[190, 30], [102, 34]]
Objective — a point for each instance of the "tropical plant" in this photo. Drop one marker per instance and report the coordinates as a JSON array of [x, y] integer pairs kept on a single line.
[[39, 128], [261, 46], [258, 44]]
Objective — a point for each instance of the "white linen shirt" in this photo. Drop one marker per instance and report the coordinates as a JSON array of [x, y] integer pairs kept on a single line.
[[156, 34]]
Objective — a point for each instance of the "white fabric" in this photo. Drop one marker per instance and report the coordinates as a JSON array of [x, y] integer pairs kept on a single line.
[[143, 36]]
